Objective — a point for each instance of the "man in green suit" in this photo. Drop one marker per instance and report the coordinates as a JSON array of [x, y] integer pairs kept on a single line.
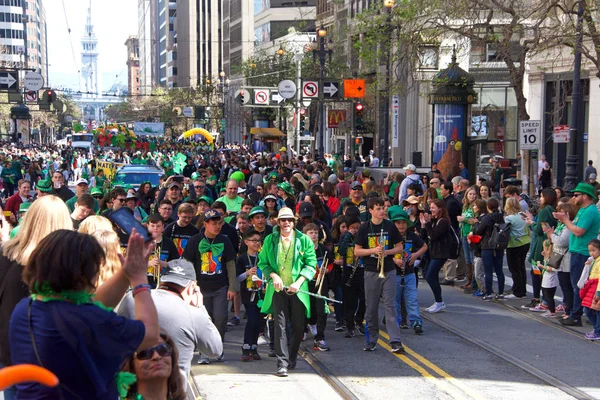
[[288, 259]]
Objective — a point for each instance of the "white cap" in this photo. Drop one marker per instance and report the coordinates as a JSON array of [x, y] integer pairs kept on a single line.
[[82, 180], [410, 167], [241, 190]]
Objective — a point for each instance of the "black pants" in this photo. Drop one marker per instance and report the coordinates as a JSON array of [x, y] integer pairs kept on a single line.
[[9, 189], [318, 315], [515, 257], [253, 323], [536, 282], [354, 297], [564, 279], [288, 307], [549, 297]]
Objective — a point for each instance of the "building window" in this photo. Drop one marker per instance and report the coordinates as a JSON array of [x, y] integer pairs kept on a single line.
[[491, 52]]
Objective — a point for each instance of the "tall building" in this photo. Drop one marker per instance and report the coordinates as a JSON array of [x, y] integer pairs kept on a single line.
[[238, 26], [145, 39], [90, 77], [13, 35], [133, 65], [167, 38]]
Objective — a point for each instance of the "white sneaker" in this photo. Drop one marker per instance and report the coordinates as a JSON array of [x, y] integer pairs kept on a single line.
[[437, 307], [262, 340], [203, 360], [313, 329], [431, 307]]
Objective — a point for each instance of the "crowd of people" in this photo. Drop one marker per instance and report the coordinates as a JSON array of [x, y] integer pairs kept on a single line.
[[274, 238]]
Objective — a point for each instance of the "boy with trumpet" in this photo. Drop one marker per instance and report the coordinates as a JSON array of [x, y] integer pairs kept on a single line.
[[377, 241]]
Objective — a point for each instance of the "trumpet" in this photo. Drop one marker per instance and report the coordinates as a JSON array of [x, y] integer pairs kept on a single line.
[[381, 256], [321, 277], [156, 270]]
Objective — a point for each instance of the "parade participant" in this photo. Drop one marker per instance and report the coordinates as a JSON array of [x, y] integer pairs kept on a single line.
[[203, 205], [232, 201], [43, 188], [357, 199], [406, 278], [437, 225], [61, 275], [270, 203], [172, 192], [377, 241], [306, 216], [583, 229], [145, 195], [60, 189], [246, 268], [226, 229], [288, 259], [353, 289], [165, 249], [83, 208], [318, 308], [81, 188], [165, 210], [213, 257], [100, 179], [118, 198], [14, 202], [181, 314], [182, 230], [286, 192]]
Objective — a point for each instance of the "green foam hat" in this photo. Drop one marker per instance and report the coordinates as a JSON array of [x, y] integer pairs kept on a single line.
[[397, 213], [44, 186], [257, 210]]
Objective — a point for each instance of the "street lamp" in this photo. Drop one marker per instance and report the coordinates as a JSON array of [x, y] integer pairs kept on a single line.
[[384, 94], [280, 51], [223, 84], [322, 50]]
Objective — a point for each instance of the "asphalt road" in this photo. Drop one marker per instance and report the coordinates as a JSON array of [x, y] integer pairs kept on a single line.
[[473, 350]]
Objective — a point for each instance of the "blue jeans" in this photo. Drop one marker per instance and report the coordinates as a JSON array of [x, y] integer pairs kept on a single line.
[[433, 277], [253, 323], [409, 291], [469, 257], [577, 264], [492, 262], [594, 318]]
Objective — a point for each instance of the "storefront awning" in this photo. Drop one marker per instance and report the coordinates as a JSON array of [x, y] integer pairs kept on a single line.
[[266, 132]]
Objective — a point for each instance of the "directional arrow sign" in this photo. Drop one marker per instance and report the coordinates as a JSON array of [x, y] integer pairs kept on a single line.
[[9, 80], [354, 88], [276, 98], [331, 89], [310, 89], [261, 96]]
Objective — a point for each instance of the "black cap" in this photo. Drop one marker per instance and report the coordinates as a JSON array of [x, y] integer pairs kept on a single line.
[[306, 210]]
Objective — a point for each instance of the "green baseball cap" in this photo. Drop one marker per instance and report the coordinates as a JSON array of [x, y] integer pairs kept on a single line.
[[257, 210], [207, 199]]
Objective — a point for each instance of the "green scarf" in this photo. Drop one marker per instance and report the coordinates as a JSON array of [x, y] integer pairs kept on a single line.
[[45, 293], [215, 248]]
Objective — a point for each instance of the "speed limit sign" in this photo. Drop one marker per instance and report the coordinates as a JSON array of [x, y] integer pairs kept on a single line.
[[529, 135]]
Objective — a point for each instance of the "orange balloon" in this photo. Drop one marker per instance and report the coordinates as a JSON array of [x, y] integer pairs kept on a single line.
[[10, 376]]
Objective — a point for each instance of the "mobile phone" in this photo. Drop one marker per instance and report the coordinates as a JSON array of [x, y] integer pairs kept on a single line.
[[522, 214], [7, 213], [125, 220], [178, 178]]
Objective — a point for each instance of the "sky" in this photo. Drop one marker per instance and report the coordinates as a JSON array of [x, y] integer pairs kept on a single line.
[[114, 21]]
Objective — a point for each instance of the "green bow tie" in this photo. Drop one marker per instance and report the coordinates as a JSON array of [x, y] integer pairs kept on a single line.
[[205, 246]]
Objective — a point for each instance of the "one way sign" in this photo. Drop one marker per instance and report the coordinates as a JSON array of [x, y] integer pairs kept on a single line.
[[331, 90], [276, 98], [9, 80]]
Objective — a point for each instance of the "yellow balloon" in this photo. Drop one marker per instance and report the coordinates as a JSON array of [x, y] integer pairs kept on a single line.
[[198, 131]]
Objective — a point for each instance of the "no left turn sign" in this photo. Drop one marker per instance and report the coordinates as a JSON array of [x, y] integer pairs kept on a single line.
[[261, 96], [310, 89]]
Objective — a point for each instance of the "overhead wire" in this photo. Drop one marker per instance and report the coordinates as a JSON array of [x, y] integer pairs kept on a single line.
[[71, 42]]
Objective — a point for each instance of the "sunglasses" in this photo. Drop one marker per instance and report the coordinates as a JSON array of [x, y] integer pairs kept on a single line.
[[163, 350], [198, 187], [121, 200], [577, 195], [255, 240], [287, 219], [97, 197]]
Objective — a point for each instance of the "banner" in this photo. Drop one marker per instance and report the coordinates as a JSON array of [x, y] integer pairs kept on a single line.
[[149, 128], [448, 137]]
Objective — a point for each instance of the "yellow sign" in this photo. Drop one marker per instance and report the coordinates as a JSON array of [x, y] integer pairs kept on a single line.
[[354, 88]]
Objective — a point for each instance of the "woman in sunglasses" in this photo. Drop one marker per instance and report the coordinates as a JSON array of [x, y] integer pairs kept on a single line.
[[156, 372]]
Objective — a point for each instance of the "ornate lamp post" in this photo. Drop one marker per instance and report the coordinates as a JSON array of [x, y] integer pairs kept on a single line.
[[384, 94], [322, 50]]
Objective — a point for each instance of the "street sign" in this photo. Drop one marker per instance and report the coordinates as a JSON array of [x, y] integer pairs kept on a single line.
[[31, 96], [243, 96], [261, 96], [529, 135], [331, 90], [354, 88], [33, 81], [287, 89], [188, 112], [395, 115], [310, 89], [9, 80], [561, 134], [276, 98], [335, 118]]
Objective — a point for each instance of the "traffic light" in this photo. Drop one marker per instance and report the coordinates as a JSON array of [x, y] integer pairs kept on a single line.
[[243, 95], [200, 112], [302, 119], [358, 142], [49, 96], [358, 117]]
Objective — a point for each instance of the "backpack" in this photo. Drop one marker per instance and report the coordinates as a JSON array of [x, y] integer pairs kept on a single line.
[[500, 236]]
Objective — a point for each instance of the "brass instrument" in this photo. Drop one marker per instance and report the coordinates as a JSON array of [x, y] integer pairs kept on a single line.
[[381, 256], [321, 277], [156, 270], [354, 268]]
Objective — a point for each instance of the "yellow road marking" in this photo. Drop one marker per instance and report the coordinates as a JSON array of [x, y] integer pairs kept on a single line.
[[441, 384], [438, 370]]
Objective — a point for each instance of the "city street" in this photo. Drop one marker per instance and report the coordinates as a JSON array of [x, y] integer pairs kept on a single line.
[[473, 350]]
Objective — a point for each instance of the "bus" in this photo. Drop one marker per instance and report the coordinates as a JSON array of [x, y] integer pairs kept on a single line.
[[82, 140]]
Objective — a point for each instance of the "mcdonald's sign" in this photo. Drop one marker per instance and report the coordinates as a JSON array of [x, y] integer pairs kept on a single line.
[[334, 117]]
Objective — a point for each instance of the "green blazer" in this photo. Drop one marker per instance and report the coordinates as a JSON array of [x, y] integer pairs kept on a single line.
[[304, 263]]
